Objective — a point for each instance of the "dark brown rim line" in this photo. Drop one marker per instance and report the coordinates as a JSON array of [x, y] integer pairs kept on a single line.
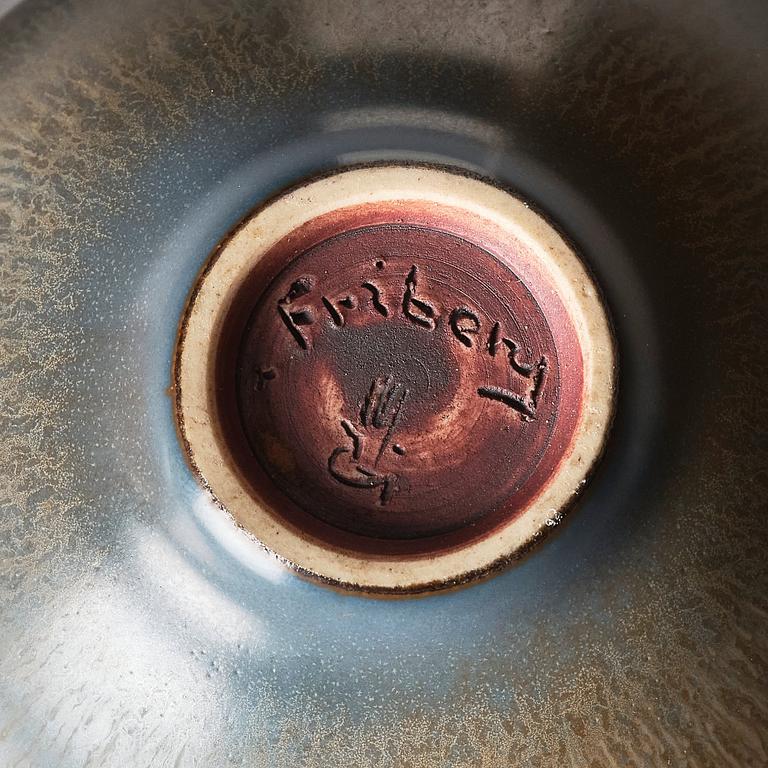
[[422, 588]]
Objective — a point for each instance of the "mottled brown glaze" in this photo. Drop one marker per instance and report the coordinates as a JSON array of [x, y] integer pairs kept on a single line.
[[399, 386], [635, 638]]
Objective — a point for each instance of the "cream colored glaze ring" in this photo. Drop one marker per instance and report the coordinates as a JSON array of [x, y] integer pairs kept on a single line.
[[395, 378]]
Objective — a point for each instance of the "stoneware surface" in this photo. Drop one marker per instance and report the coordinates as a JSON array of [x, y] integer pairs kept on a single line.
[[402, 441], [139, 626]]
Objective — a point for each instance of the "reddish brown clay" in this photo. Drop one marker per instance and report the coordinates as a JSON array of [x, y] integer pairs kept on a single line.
[[397, 387]]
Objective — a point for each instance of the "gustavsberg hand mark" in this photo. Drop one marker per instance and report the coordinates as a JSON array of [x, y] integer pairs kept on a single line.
[[381, 409]]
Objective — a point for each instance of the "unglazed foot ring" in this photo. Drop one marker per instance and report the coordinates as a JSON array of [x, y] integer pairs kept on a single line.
[[396, 378]]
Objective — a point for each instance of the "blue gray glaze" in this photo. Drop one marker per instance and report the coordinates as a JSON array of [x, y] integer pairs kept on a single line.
[[140, 627]]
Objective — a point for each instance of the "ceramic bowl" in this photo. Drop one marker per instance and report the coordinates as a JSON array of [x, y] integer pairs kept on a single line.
[[140, 625]]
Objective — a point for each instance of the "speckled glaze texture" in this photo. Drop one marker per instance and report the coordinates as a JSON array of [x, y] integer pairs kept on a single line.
[[139, 626]]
